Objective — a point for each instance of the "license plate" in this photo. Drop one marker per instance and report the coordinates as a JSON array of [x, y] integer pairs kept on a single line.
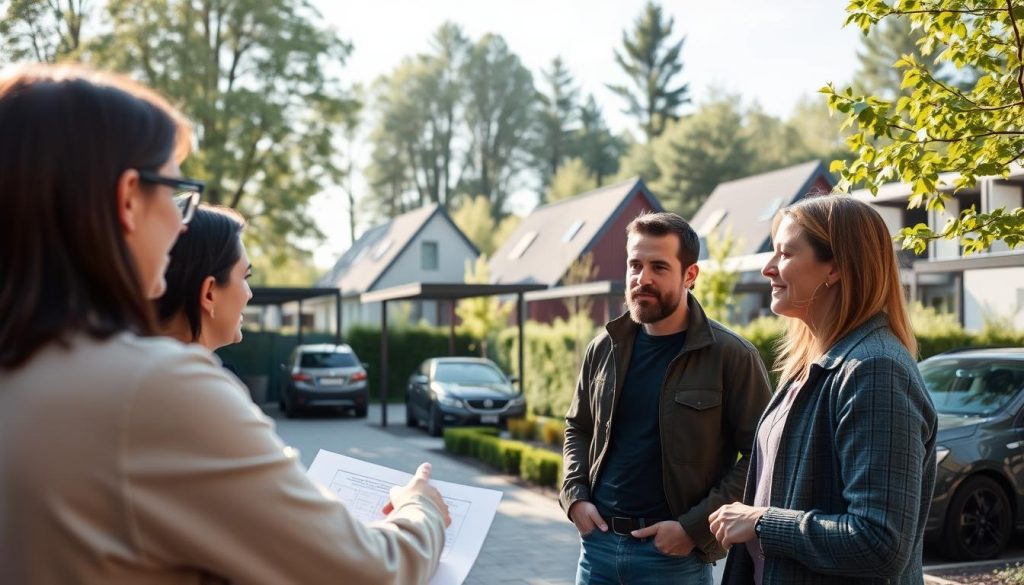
[[488, 419], [332, 381]]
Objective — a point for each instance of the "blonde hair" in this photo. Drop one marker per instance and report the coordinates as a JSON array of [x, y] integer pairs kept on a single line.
[[854, 236]]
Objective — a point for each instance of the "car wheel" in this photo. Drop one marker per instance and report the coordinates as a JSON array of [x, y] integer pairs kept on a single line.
[[435, 423], [978, 524], [360, 412], [410, 416]]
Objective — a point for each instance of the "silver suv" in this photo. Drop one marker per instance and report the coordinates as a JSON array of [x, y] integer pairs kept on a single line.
[[323, 375]]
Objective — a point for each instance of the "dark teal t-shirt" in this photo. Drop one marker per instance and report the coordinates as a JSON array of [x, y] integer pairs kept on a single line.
[[630, 482]]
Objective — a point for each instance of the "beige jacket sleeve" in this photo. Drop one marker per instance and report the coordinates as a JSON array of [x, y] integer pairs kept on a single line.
[[208, 484]]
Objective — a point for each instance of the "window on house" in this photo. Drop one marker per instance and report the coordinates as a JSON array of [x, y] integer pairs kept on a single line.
[[712, 222], [769, 211], [429, 256], [382, 249], [523, 244], [572, 231]]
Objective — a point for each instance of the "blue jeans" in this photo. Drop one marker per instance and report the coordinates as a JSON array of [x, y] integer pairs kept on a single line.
[[607, 558]]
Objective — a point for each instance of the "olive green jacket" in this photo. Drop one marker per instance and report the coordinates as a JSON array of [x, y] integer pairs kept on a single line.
[[711, 399]]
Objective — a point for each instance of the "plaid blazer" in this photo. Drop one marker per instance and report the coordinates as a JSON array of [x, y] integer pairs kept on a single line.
[[854, 473]]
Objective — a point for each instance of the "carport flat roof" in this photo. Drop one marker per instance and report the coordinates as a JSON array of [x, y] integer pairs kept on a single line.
[[278, 295], [586, 289], [445, 290]]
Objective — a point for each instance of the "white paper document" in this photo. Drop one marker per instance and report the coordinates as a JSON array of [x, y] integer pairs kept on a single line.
[[363, 488]]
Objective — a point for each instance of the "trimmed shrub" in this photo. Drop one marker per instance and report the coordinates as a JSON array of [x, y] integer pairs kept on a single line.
[[510, 456], [463, 441], [522, 429], [488, 449], [553, 432], [541, 467]]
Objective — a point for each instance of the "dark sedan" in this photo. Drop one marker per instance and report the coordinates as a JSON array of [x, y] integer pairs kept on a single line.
[[979, 490], [457, 391]]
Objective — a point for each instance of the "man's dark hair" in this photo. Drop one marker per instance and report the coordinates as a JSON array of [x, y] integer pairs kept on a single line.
[[210, 247], [663, 224]]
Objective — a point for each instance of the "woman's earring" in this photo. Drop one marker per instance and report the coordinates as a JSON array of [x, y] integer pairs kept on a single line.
[[211, 313], [827, 284]]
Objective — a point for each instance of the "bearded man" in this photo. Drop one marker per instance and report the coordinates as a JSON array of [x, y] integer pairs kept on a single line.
[[662, 422]]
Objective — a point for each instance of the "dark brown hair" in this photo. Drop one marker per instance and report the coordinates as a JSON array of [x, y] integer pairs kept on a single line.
[[211, 246], [66, 136], [664, 223]]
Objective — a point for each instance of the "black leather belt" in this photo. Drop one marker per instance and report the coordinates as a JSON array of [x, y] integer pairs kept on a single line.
[[624, 526]]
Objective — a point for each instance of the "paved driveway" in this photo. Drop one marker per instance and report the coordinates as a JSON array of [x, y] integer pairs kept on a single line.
[[530, 540]]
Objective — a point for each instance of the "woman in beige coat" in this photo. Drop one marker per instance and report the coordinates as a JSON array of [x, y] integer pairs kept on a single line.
[[126, 457]]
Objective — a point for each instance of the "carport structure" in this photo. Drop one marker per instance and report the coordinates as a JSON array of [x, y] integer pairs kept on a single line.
[[610, 290], [264, 296], [451, 292]]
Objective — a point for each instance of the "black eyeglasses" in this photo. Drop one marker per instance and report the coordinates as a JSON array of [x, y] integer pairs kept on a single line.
[[187, 192]]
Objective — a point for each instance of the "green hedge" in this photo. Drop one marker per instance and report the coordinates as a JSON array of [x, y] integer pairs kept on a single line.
[[262, 353], [461, 440], [539, 466], [553, 355], [542, 467], [553, 352], [407, 348]]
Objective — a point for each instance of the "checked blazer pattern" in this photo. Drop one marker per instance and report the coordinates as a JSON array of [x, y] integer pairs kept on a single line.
[[854, 473]]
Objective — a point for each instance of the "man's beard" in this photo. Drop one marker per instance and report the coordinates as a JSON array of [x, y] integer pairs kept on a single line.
[[656, 309]]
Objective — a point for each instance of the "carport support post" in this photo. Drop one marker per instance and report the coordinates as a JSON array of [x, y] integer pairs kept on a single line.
[[299, 318], [451, 327], [384, 363], [337, 318], [520, 309]]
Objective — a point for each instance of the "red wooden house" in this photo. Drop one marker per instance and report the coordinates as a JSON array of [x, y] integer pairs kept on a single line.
[[554, 236]]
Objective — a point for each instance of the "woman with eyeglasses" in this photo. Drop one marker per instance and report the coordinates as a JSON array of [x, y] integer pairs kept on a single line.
[[843, 461], [127, 457], [207, 281]]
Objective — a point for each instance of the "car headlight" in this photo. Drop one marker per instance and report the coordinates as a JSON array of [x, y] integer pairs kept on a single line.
[[517, 400], [449, 401], [940, 454]]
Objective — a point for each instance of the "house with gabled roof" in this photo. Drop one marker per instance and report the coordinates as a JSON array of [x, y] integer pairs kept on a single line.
[[553, 237], [423, 245], [744, 208], [975, 287]]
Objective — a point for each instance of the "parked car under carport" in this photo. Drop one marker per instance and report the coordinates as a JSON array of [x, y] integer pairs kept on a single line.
[[448, 391]]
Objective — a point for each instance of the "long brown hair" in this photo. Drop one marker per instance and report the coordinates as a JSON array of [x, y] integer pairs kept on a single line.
[[66, 135], [855, 237]]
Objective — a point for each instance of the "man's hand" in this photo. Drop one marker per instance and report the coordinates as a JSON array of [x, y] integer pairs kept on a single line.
[[669, 537], [585, 516], [734, 523], [418, 485]]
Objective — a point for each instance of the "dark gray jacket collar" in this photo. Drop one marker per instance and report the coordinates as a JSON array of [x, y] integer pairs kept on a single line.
[[838, 352]]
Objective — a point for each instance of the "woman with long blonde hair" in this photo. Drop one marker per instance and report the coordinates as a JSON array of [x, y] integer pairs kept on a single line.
[[843, 464]]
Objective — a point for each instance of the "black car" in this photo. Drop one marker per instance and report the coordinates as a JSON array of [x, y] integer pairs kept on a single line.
[[979, 490], [323, 375], [455, 390]]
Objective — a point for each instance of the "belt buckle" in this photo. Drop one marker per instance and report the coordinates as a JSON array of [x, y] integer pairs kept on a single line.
[[622, 526]]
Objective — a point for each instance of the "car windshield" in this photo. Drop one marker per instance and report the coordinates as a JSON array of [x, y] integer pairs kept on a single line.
[[325, 359], [972, 387], [468, 373]]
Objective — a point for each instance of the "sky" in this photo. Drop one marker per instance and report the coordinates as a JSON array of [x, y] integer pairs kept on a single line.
[[772, 53]]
